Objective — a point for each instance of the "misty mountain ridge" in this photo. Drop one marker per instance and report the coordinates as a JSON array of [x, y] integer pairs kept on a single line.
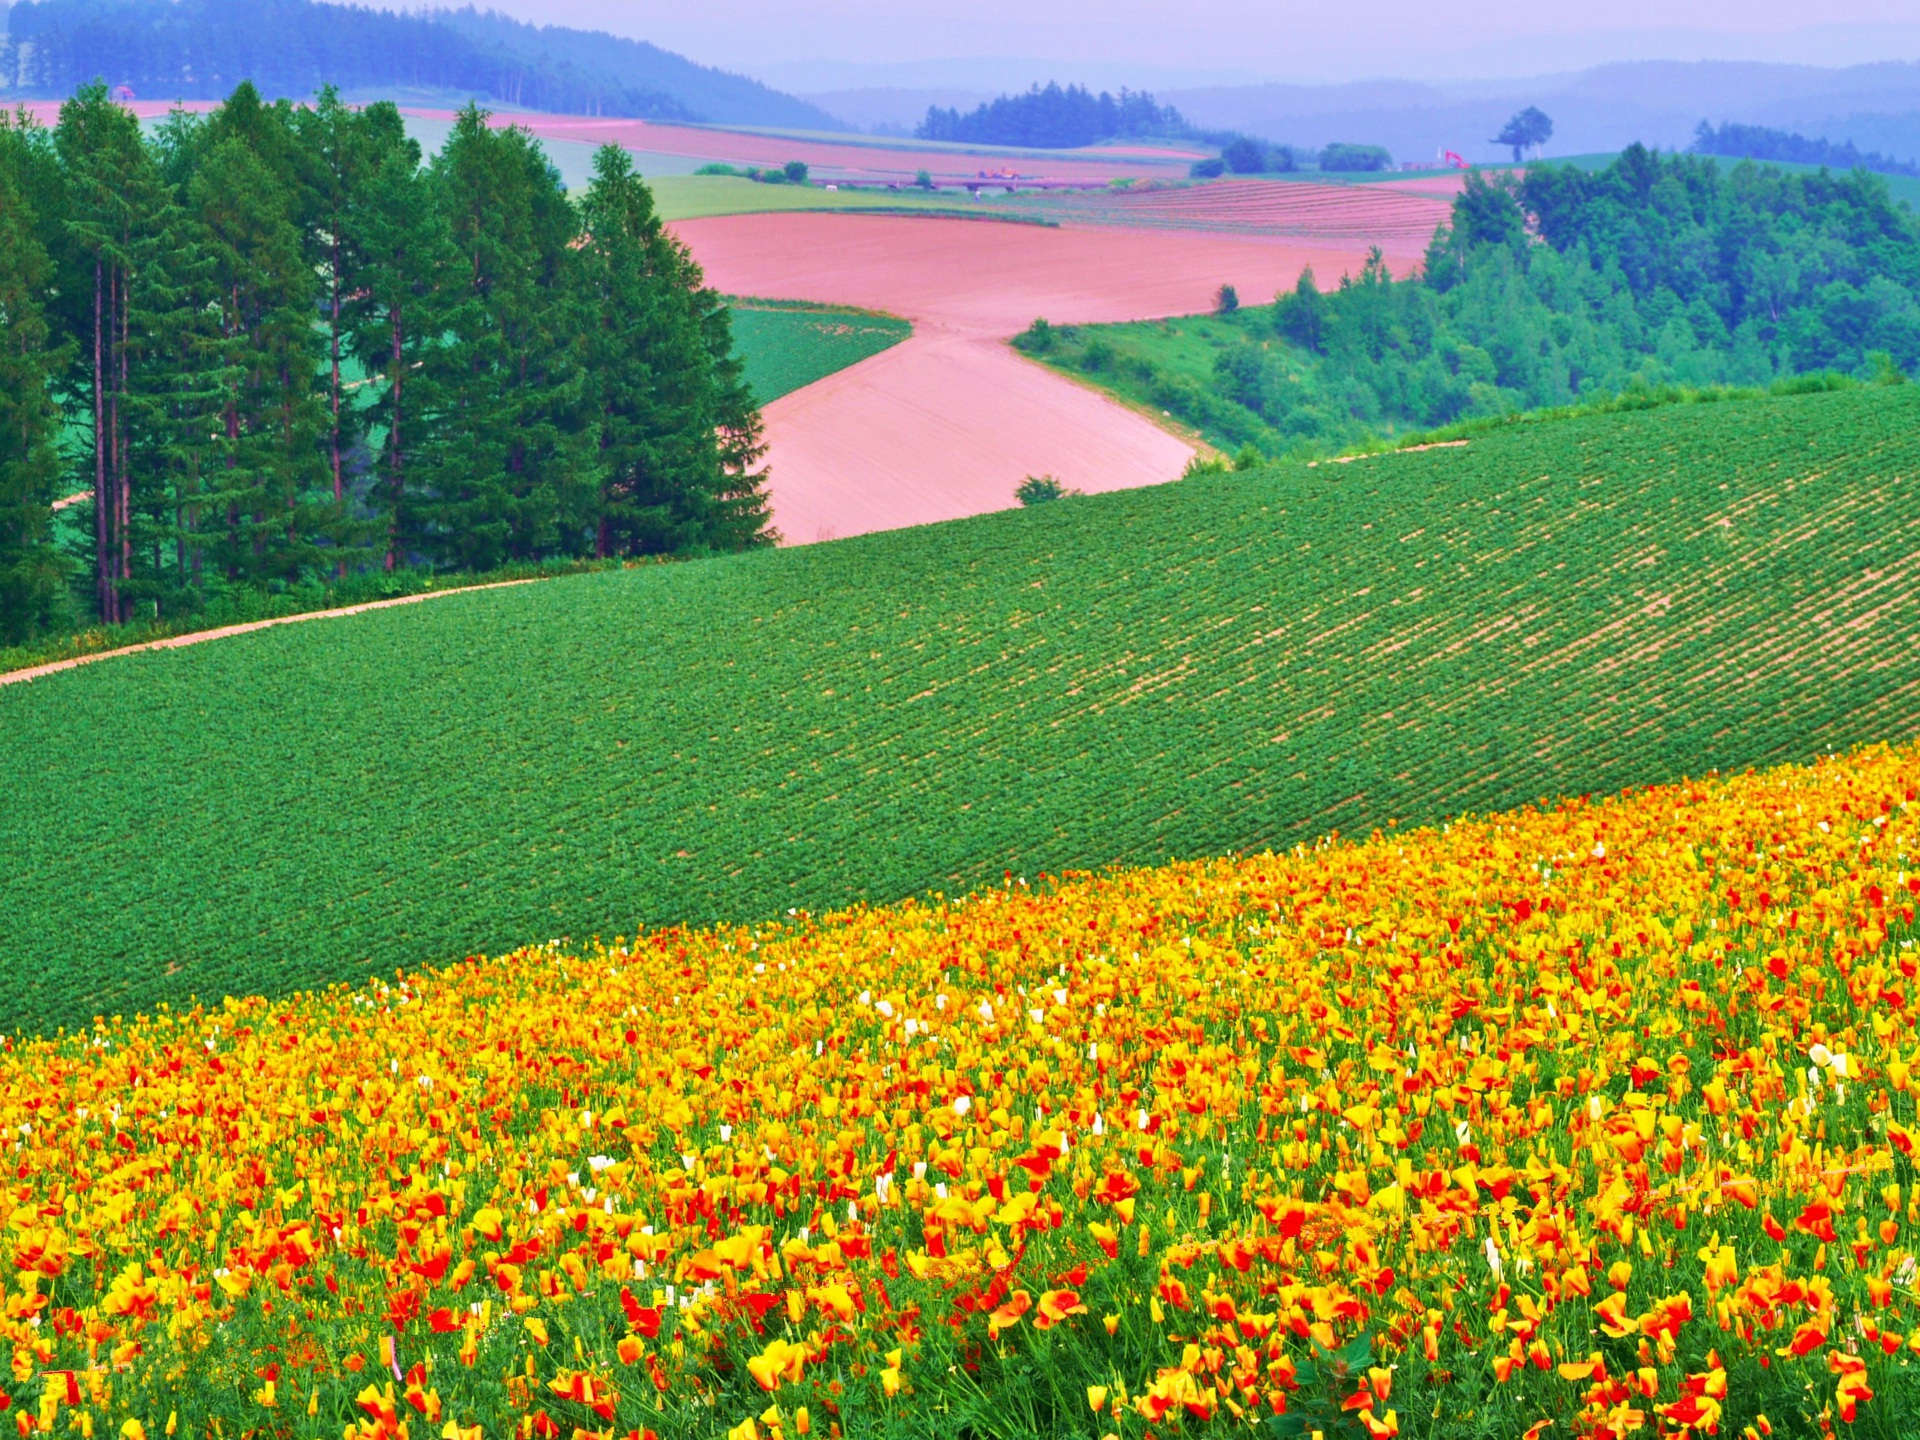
[[1602, 109], [202, 49]]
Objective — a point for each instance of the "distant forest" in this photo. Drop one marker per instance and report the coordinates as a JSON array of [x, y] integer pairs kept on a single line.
[[202, 49], [1757, 142], [1055, 119], [266, 347]]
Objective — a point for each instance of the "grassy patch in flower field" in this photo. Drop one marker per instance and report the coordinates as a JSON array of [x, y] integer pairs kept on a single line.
[[786, 345], [1226, 663], [1510, 1128]]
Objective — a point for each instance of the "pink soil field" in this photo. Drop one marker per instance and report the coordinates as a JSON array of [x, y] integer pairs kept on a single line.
[[947, 423], [1374, 213], [871, 163]]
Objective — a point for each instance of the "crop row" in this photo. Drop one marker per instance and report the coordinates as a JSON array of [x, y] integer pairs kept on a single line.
[[1227, 663]]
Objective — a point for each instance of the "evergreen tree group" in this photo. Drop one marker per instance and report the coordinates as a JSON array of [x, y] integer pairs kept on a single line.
[[1053, 118], [270, 344]]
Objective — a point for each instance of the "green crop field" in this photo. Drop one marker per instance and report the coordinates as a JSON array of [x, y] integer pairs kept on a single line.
[[1231, 661], [788, 344]]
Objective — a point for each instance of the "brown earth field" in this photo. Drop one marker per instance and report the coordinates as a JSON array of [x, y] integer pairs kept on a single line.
[[949, 422]]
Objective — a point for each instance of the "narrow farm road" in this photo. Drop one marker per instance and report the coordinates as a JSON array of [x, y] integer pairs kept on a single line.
[[949, 422], [200, 637]]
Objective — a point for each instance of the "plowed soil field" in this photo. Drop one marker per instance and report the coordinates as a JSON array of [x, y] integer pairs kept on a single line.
[[1375, 214], [948, 423], [871, 163]]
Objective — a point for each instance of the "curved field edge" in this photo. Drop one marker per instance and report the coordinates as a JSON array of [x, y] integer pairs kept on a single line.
[[787, 345], [1474, 1131], [1224, 664]]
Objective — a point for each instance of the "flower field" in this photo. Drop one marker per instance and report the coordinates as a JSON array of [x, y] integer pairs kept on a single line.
[[1594, 1119], [1219, 665]]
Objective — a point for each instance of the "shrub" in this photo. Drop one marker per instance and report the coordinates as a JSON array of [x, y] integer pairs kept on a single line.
[[1249, 457], [1209, 169], [1039, 489], [1348, 158], [923, 179], [1226, 300], [1244, 156], [795, 171], [716, 169], [1036, 339]]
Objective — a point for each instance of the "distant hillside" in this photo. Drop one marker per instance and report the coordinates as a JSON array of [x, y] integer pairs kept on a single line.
[[716, 95], [201, 49], [1605, 109], [1759, 142]]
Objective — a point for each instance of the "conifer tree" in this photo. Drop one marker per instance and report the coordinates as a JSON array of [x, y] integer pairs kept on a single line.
[[409, 293], [514, 475], [30, 567], [677, 430], [115, 211], [273, 413]]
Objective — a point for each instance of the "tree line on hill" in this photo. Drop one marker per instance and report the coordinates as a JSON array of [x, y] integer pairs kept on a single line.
[[269, 344], [1052, 118], [1243, 155], [1757, 142], [200, 49], [1560, 287]]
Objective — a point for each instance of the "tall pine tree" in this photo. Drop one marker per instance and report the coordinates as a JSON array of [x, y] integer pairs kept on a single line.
[[410, 293], [30, 567], [116, 215], [677, 429], [514, 477], [244, 197]]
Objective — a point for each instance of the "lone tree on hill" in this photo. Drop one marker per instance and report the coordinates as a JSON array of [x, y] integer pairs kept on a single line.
[[1526, 131]]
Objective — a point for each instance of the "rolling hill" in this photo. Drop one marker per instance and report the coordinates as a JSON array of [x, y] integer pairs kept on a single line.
[[1230, 662], [202, 49]]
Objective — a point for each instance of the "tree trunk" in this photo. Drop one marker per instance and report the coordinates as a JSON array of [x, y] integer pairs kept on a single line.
[[339, 492], [395, 459], [103, 579]]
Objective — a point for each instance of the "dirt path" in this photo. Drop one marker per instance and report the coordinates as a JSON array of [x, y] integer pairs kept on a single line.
[[949, 422], [175, 642]]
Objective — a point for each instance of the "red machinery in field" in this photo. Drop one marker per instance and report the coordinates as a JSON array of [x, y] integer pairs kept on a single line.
[[1456, 161]]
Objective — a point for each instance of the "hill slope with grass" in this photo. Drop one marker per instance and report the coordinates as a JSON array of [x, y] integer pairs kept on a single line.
[[1231, 662]]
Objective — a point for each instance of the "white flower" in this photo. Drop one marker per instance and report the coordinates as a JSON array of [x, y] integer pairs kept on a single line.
[[962, 1104], [1599, 850], [1820, 1055], [597, 1163], [1840, 1066], [1463, 1133], [986, 1011], [885, 1007], [1493, 1257]]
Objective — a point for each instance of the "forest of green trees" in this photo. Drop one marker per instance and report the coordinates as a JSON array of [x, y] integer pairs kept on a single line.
[[1564, 287], [1052, 118], [273, 345]]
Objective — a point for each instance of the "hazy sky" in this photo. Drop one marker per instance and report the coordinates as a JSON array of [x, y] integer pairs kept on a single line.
[[1280, 39]]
